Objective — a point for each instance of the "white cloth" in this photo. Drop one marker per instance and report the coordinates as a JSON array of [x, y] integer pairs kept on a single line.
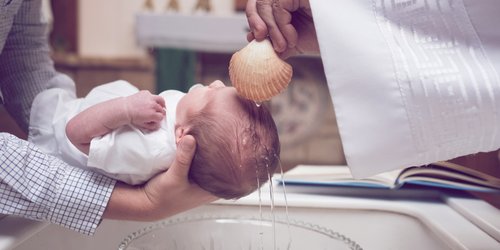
[[127, 153], [412, 82]]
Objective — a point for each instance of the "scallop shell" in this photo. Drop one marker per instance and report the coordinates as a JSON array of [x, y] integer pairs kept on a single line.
[[258, 73]]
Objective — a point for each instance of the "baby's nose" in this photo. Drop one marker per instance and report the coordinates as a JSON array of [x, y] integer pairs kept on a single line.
[[217, 84]]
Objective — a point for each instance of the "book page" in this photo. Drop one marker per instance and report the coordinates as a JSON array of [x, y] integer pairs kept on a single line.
[[336, 175], [453, 184], [449, 175], [487, 177]]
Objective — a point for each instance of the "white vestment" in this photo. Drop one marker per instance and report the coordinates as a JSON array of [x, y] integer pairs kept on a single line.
[[412, 82]]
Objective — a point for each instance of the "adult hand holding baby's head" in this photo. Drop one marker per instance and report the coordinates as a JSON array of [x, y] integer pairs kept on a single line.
[[145, 110], [171, 191], [166, 194]]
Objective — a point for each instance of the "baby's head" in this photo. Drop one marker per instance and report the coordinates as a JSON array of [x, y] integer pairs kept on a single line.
[[237, 142]]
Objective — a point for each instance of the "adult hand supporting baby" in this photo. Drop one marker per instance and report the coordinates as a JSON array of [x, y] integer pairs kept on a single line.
[[166, 194], [288, 23]]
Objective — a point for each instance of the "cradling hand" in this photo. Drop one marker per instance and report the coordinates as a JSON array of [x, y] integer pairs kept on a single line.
[[288, 23], [145, 110], [171, 192], [166, 194]]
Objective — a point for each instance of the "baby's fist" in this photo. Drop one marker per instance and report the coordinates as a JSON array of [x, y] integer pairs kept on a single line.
[[145, 110]]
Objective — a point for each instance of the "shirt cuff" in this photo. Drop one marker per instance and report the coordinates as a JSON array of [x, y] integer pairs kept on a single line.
[[81, 200]]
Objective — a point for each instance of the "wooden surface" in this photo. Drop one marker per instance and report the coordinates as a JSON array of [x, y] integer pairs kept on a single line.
[[90, 72], [487, 163]]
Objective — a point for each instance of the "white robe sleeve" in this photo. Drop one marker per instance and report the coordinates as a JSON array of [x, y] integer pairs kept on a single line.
[[412, 82]]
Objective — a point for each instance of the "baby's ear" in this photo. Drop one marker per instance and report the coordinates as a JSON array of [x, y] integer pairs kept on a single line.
[[180, 131]]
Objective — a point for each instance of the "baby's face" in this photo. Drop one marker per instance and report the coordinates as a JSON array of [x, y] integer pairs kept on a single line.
[[224, 99]]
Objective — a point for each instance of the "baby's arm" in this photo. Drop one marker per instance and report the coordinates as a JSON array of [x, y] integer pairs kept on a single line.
[[143, 109]]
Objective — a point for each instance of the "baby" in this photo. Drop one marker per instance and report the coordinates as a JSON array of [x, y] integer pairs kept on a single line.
[[131, 135]]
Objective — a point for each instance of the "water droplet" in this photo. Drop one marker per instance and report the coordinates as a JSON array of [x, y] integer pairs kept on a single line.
[[258, 104], [261, 233], [286, 202], [271, 196]]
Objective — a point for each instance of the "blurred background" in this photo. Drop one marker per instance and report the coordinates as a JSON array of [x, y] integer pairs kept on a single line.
[[172, 44]]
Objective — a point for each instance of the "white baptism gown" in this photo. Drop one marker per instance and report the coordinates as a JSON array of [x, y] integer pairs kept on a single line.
[[127, 153]]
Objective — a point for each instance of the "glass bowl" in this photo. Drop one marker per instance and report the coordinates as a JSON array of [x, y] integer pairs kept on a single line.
[[211, 232]]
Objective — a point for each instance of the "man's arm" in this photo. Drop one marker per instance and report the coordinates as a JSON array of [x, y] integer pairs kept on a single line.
[[58, 193], [142, 109], [42, 187]]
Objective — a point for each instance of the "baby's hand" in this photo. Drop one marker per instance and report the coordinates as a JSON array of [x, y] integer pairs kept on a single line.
[[145, 110]]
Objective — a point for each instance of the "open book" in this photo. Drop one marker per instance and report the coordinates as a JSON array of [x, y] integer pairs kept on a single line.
[[440, 174]]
